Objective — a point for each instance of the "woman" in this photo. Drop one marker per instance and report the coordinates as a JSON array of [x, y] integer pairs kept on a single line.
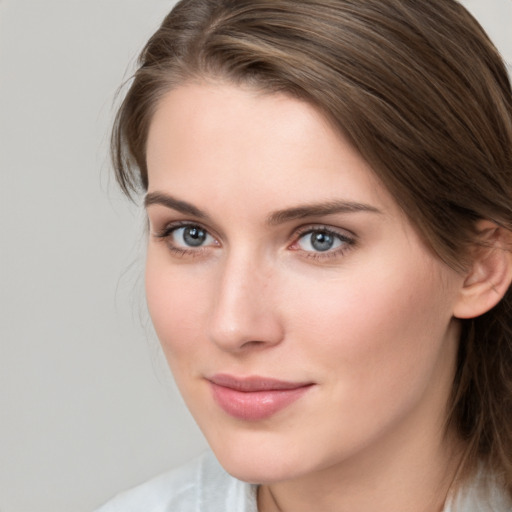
[[329, 201]]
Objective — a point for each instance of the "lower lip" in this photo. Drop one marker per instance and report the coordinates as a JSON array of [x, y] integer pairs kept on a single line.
[[255, 405]]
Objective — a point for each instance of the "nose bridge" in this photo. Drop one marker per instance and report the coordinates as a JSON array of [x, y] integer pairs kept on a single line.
[[243, 309]]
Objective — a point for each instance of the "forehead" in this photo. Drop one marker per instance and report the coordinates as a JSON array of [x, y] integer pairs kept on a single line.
[[220, 139]]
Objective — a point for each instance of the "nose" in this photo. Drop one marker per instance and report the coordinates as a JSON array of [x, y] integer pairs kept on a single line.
[[245, 310]]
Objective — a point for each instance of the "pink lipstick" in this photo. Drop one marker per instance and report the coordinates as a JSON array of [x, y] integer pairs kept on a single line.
[[254, 398]]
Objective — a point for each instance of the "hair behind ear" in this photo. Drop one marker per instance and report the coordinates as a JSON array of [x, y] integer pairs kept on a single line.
[[482, 393]]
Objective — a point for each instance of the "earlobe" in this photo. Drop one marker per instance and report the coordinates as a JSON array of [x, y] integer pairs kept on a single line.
[[490, 274]]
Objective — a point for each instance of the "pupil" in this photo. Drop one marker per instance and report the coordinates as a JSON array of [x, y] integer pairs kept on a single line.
[[194, 236], [322, 241]]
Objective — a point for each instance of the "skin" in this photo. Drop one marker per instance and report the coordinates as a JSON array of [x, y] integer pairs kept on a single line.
[[369, 322]]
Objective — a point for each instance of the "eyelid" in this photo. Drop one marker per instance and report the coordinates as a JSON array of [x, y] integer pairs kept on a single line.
[[159, 217], [342, 233], [167, 228]]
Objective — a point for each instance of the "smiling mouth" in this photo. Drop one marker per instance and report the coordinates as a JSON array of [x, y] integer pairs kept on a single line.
[[255, 398]]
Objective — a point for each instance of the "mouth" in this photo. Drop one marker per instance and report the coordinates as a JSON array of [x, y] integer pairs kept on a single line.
[[255, 398]]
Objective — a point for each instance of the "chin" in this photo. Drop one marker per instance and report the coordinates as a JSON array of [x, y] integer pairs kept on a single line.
[[264, 459], [261, 470]]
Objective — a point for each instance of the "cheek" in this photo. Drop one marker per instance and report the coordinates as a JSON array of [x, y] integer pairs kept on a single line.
[[373, 329], [176, 303], [379, 346]]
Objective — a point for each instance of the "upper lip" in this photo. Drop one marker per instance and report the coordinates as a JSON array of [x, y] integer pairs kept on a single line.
[[254, 383]]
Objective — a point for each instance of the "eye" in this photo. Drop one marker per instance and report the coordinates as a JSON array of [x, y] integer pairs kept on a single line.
[[184, 239], [190, 236], [322, 241], [319, 241]]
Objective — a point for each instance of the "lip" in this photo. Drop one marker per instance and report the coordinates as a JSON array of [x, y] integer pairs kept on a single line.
[[255, 398]]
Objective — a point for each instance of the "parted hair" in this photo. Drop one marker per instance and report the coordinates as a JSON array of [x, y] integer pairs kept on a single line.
[[422, 94]]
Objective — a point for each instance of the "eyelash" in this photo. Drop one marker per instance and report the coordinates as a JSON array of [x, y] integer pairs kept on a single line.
[[347, 241]]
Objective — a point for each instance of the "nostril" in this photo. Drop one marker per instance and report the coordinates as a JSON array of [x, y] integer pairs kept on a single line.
[[252, 344]]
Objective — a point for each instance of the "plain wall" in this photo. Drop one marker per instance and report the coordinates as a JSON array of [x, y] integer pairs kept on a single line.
[[87, 406]]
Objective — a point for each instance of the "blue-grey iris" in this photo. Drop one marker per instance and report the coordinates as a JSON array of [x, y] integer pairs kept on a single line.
[[321, 241], [194, 236]]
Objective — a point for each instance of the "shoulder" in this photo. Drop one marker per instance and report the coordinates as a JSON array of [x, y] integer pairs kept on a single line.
[[201, 485], [481, 494]]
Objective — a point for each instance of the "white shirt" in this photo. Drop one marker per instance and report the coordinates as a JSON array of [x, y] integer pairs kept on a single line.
[[200, 486], [203, 486]]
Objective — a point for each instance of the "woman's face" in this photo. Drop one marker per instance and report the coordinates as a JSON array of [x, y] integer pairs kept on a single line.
[[305, 322]]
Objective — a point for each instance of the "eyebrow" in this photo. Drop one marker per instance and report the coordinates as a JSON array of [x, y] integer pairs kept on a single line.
[[317, 210], [275, 218], [174, 204]]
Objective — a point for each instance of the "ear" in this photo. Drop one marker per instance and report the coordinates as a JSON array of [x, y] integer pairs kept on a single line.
[[490, 274]]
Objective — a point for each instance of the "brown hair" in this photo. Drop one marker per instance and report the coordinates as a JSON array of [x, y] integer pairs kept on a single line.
[[420, 91]]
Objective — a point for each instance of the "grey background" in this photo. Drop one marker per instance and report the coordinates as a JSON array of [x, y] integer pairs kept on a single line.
[[87, 407]]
